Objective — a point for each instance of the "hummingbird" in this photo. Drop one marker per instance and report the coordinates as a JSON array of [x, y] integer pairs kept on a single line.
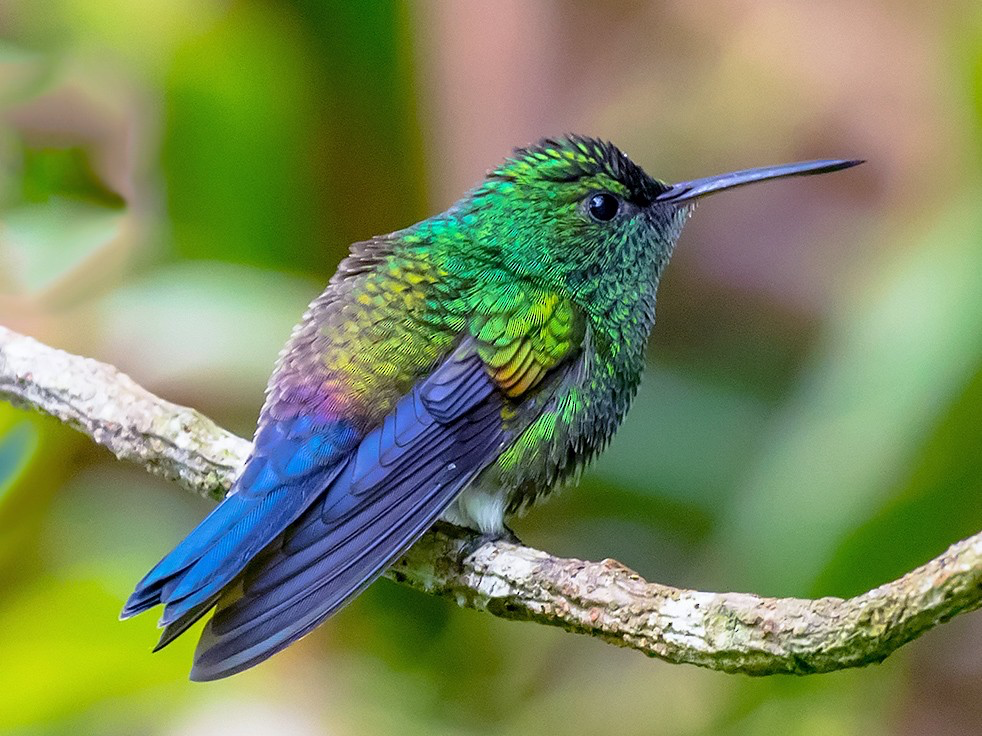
[[462, 368]]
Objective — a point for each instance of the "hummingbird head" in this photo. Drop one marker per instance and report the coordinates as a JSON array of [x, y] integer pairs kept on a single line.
[[577, 215]]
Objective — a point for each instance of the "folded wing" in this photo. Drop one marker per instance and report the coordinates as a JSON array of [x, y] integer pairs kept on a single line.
[[291, 464], [402, 476]]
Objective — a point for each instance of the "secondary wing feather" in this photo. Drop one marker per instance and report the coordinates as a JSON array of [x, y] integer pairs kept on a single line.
[[400, 479], [286, 473]]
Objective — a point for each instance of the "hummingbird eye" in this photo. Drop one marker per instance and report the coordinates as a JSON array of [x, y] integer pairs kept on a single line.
[[603, 206]]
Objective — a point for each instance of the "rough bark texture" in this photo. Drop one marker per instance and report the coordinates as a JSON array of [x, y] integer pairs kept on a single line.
[[733, 632]]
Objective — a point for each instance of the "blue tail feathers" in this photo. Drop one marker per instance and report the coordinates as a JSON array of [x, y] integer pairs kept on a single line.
[[287, 472], [320, 512]]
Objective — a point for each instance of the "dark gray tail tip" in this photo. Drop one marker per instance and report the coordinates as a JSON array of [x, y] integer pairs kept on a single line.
[[206, 674]]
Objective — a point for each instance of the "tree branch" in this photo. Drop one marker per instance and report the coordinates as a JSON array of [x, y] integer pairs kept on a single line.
[[733, 632]]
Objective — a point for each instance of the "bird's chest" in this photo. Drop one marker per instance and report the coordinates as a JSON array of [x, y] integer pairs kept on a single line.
[[575, 426]]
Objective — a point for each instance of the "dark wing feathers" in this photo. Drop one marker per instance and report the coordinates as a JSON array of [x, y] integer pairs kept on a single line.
[[401, 478], [273, 490], [318, 513], [176, 628]]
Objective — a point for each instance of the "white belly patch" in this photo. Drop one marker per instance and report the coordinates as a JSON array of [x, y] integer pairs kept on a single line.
[[478, 508]]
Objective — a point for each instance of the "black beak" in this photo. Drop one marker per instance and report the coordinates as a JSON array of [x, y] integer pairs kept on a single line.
[[686, 190]]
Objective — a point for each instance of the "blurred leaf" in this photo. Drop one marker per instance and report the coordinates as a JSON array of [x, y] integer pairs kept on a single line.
[[240, 103], [20, 444], [139, 36], [283, 145], [370, 152], [43, 242], [214, 328], [22, 72], [64, 650], [846, 703], [900, 351], [973, 49], [595, 501], [940, 504], [742, 342], [656, 492], [17, 445], [64, 172], [684, 439], [115, 518], [32, 449]]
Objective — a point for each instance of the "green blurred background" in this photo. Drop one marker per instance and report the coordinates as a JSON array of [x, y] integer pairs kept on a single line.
[[178, 178]]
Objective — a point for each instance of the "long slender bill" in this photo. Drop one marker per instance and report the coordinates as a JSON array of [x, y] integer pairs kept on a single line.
[[686, 190]]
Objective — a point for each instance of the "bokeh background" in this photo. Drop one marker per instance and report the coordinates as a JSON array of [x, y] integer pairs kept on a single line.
[[178, 178]]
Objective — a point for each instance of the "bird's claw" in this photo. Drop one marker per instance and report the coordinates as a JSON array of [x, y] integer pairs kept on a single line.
[[506, 534]]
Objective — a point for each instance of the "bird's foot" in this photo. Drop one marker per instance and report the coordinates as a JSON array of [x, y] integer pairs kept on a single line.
[[505, 534]]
